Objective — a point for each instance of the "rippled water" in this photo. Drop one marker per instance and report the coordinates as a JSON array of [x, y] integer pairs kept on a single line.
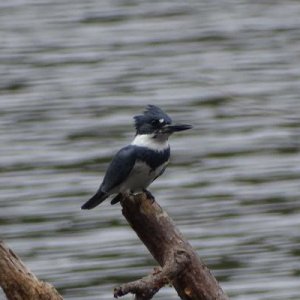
[[73, 73]]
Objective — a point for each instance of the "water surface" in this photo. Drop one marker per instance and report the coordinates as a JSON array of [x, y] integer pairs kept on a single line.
[[73, 73]]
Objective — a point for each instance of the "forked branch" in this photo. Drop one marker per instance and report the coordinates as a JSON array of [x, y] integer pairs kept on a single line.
[[147, 287], [181, 266]]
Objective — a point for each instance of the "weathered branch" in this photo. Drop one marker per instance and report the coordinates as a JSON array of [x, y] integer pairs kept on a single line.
[[18, 283], [180, 264], [147, 287]]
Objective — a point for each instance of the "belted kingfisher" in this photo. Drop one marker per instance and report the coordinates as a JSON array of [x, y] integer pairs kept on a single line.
[[137, 165]]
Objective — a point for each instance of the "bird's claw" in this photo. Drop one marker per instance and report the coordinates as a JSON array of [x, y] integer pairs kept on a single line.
[[149, 196]]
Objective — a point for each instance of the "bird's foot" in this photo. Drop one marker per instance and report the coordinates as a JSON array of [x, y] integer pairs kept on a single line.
[[149, 196]]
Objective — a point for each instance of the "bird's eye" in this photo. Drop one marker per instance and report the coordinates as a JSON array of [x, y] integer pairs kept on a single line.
[[155, 123]]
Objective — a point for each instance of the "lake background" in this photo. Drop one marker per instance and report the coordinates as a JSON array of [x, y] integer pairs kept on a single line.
[[72, 75]]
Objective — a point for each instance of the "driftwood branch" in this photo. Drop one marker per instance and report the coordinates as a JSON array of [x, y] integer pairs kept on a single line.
[[147, 287], [181, 266], [18, 283]]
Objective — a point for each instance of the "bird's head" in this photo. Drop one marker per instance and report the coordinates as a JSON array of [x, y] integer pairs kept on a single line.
[[157, 123]]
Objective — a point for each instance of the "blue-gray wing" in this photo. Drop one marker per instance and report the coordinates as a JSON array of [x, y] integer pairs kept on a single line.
[[119, 168]]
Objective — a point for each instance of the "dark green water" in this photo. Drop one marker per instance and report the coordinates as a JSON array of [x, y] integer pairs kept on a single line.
[[72, 75]]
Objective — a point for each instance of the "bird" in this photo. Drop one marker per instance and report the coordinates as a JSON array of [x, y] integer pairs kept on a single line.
[[135, 166]]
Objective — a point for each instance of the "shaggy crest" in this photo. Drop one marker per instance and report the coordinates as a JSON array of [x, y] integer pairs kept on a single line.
[[152, 118]]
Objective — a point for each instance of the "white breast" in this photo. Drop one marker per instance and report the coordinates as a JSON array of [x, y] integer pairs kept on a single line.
[[140, 177]]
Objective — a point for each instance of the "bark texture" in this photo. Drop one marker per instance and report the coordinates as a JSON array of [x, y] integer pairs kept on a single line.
[[18, 283], [180, 263]]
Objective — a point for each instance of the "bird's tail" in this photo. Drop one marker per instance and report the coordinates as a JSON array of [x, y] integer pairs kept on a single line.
[[98, 198]]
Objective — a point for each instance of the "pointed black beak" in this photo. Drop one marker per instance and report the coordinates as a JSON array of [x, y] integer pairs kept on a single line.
[[177, 127]]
